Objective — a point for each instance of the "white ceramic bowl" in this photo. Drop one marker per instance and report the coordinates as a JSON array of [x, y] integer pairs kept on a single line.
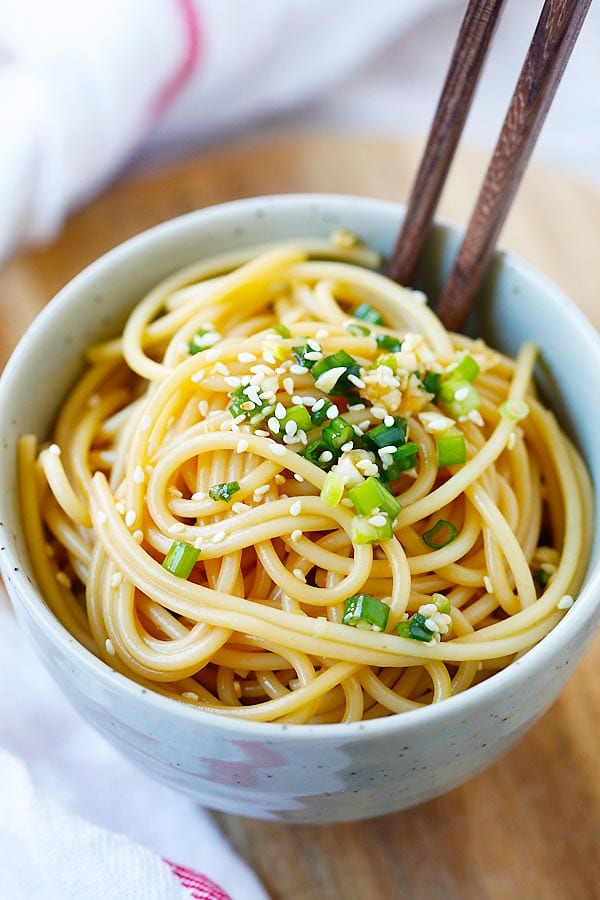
[[298, 773]]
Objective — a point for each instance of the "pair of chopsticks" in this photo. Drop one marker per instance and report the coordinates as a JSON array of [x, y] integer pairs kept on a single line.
[[554, 38]]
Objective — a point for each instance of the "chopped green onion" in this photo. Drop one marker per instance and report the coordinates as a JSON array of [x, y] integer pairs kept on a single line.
[[451, 449], [459, 398], [431, 381], [368, 314], [364, 532], [370, 495], [333, 489], [281, 330], [465, 370], [366, 611], [387, 435], [541, 577], [340, 360], [448, 534], [403, 459], [514, 410], [319, 414], [300, 415], [415, 628], [180, 559], [299, 354], [389, 342], [337, 433], [202, 340], [277, 350], [224, 491], [386, 359], [358, 330], [316, 450], [442, 603]]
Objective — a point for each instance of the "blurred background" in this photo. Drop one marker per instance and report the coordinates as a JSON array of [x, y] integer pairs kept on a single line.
[[89, 91]]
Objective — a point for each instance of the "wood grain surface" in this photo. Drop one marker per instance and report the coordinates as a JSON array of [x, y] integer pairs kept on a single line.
[[529, 827]]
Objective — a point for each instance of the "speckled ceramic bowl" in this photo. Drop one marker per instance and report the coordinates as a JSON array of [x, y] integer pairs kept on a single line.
[[295, 773]]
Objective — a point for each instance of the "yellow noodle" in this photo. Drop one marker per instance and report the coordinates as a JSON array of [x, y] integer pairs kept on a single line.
[[257, 630]]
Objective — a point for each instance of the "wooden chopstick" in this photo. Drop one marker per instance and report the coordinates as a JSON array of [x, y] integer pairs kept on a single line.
[[554, 38], [453, 106]]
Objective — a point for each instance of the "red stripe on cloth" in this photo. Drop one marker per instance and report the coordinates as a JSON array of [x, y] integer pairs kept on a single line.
[[199, 886], [193, 45]]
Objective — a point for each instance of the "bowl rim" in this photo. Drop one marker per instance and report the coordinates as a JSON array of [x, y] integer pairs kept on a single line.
[[427, 717]]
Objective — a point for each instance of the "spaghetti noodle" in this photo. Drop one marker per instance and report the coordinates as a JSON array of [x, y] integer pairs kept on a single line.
[[286, 493]]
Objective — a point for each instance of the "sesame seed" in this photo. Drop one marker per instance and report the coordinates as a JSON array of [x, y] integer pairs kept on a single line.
[[199, 495], [288, 385], [176, 528], [295, 535], [239, 419], [378, 521], [314, 345], [260, 432], [296, 508], [138, 475], [356, 381], [242, 446], [238, 507], [332, 412], [190, 695], [378, 412], [279, 479], [246, 357], [388, 421], [110, 647], [268, 357], [116, 579], [63, 579], [120, 508], [319, 405], [476, 417], [349, 445], [326, 456], [299, 574], [431, 624], [298, 477], [100, 518], [428, 609], [297, 369], [461, 394], [274, 425], [565, 602], [313, 355], [262, 490], [54, 449], [280, 411], [233, 381], [322, 334], [138, 536], [130, 517], [198, 376], [356, 407], [212, 354], [145, 422], [291, 428], [487, 583], [198, 543], [386, 451], [219, 536], [278, 450]]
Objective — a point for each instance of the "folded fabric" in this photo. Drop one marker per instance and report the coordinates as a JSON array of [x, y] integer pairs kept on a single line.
[[83, 86], [77, 821]]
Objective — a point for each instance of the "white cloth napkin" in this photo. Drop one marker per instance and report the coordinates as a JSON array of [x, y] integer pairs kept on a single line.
[[77, 821], [83, 86]]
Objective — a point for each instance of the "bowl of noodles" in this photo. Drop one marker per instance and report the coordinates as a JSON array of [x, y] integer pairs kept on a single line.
[[290, 545]]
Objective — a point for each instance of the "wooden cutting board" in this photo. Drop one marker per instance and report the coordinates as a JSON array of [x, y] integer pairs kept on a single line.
[[529, 827]]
